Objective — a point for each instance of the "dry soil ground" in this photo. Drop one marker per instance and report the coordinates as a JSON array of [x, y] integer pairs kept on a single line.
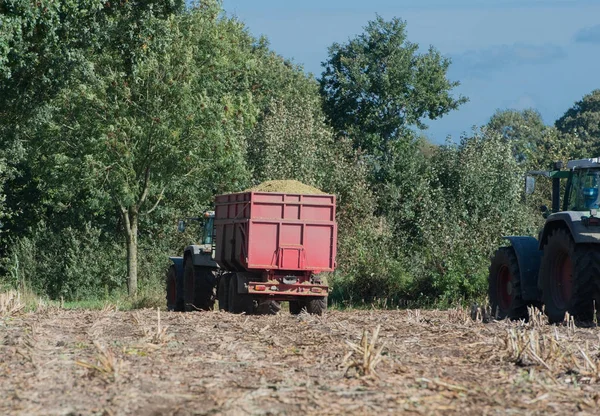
[[110, 362]]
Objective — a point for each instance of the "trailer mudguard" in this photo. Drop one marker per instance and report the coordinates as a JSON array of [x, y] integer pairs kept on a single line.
[[529, 257]]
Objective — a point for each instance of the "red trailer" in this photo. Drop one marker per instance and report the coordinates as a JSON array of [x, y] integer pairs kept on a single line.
[[272, 247]]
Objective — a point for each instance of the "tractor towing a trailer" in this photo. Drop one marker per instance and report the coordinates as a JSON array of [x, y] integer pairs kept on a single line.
[[559, 271], [258, 249]]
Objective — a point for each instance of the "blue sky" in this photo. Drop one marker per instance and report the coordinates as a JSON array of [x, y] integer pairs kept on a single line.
[[542, 54]]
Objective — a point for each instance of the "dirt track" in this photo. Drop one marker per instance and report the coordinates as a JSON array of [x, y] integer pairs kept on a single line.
[[434, 362]]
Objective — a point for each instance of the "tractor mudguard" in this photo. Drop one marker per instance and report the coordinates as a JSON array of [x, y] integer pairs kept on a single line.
[[529, 257], [581, 233], [201, 255], [178, 263]]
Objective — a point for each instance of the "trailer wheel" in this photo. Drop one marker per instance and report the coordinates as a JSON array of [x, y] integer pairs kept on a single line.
[[199, 287], [316, 306], [295, 307], [238, 302], [504, 286], [268, 307], [223, 291], [556, 274], [171, 280]]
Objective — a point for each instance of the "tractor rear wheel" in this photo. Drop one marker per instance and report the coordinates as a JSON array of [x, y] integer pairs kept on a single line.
[[567, 275], [504, 286], [171, 288], [585, 280], [199, 285]]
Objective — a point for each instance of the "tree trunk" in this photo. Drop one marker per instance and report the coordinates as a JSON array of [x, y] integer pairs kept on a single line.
[[130, 219]]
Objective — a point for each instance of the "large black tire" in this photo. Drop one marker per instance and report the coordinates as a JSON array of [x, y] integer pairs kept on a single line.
[[199, 293], [314, 306], [239, 302], [268, 307], [585, 280], [171, 280], [295, 307], [223, 292], [556, 274], [504, 286], [568, 276]]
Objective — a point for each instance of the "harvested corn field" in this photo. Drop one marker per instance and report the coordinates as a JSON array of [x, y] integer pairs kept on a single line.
[[287, 187], [420, 362]]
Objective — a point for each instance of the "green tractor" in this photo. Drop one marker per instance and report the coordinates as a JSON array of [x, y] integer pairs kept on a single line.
[[559, 271]]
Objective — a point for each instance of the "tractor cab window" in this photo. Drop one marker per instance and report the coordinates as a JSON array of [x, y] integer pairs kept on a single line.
[[584, 190], [209, 225]]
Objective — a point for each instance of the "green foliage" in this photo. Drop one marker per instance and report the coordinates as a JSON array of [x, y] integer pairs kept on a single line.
[[377, 85], [480, 185], [581, 123], [67, 263]]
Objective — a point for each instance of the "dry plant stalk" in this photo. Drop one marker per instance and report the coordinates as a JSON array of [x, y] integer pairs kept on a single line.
[[364, 357], [537, 318], [532, 346], [106, 365], [158, 336], [458, 315], [10, 303]]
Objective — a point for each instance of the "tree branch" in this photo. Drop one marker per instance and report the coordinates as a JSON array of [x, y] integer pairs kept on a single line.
[[160, 197], [145, 188]]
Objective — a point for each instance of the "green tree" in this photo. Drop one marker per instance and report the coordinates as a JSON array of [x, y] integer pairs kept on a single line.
[[524, 130], [581, 124], [45, 47], [378, 85], [133, 130]]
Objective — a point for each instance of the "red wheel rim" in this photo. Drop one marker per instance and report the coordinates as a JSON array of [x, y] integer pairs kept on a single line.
[[563, 282], [504, 282]]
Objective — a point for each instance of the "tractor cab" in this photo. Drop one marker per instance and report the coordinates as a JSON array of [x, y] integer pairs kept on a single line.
[[208, 227], [582, 187]]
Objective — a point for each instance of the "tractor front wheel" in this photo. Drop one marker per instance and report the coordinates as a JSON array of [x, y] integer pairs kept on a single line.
[[504, 286]]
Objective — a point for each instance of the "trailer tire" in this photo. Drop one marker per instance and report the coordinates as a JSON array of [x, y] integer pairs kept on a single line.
[[295, 307], [268, 307], [223, 291], [316, 306], [238, 302], [504, 286], [199, 287]]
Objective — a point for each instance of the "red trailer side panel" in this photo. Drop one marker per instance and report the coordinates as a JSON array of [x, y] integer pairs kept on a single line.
[[275, 231]]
